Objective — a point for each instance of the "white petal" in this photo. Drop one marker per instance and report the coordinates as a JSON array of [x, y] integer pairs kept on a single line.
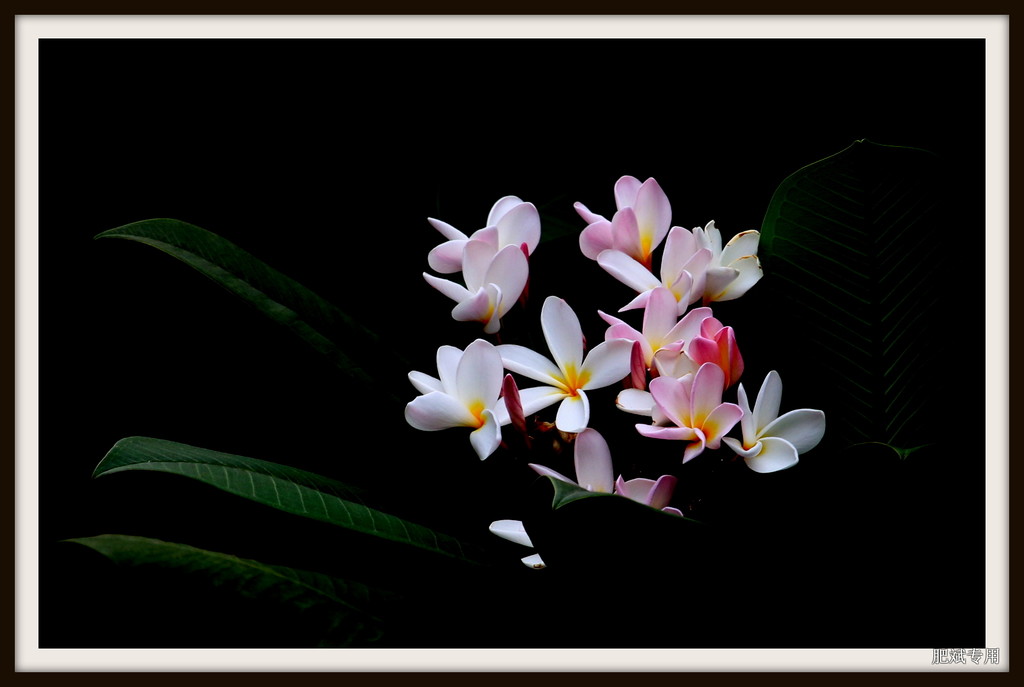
[[802, 428], [573, 413], [534, 562], [437, 410], [479, 307], [766, 406], [737, 447], [476, 259], [424, 383], [545, 471], [748, 273], [501, 208], [479, 374], [718, 279], [521, 224], [447, 257], [537, 398], [776, 454], [509, 271], [627, 270], [748, 422], [635, 401], [741, 245], [447, 230], [593, 461], [486, 438], [457, 292], [512, 530], [606, 363], [448, 358], [562, 332], [529, 363]]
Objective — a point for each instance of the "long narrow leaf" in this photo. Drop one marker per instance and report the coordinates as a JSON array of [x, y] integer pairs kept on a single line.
[[329, 330], [278, 486], [345, 612]]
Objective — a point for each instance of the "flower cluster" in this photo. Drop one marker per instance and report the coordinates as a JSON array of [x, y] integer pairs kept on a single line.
[[676, 368]]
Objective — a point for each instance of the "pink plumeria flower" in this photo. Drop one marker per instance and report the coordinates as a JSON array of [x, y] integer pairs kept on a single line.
[[593, 462], [464, 394], [494, 282], [772, 442], [733, 269], [694, 405], [638, 227], [514, 531], [717, 344], [511, 222], [570, 375], [661, 324], [684, 263]]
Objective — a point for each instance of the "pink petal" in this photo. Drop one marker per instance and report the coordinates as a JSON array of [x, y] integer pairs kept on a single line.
[[500, 208], [638, 489], [660, 316], [457, 292], [628, 271], [447, 230], [588, 216], [593, 461], [718, 423], [706, 394], [689, 326], [673, 433], [548, 472], [672, 397], [661, 494], [447, 257], [626, 234], [653, 214], [626, 189], [476, 260], [638, 364], [477, 308], [521, 224], [595, 238], [513, 404]]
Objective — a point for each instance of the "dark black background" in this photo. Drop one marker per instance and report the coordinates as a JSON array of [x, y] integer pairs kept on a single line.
[[325, 158]]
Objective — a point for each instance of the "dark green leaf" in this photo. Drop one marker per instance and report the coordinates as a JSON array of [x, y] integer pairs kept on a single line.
[[323, 326], [853, 252], [344, 611], [278, 486]]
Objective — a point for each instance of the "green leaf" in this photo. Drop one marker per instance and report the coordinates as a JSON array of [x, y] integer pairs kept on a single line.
[[278, 486], [853, 252], [344, 612], [282, 299]]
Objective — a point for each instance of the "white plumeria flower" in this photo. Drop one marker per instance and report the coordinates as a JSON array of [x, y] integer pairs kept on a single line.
[[772, 442], [733, 269], [465, 394], [640, 224], [514, 531], [511, 222], [683, 266], [494, 282], [570, 375]]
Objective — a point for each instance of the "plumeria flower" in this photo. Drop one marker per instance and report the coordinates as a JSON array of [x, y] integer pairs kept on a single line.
[[494, 282], [694, 405], [717, 344], [593, 462], [733, 269], [661, 325], [465, 394], [638, 227], [570, 375], [514, 531], [511, 222], [684, 263], [772, 442]]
